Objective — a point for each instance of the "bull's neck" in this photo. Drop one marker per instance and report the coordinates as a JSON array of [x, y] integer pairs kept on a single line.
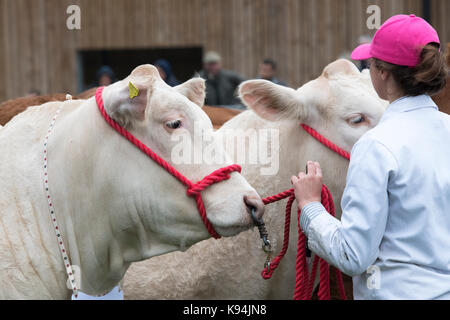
[[87, 201]]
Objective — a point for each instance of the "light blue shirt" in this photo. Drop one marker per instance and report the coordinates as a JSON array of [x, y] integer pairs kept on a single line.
[[394, 233]]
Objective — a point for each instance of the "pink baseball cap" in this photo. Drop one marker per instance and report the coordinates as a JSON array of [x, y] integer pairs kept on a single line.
[[399, 41]]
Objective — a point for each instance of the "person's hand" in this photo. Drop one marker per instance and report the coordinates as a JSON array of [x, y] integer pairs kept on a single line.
[[308, 187]]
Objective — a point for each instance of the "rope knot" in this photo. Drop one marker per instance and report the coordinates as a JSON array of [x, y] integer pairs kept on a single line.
[[195, 189], [216, 176]]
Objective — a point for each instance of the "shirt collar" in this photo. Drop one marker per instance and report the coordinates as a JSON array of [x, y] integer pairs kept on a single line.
[[408, 103]]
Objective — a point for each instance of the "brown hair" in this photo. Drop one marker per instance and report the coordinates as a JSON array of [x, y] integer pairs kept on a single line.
[[428, 77]]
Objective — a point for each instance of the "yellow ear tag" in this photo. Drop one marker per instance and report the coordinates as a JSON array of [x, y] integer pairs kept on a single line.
[[133, 90]]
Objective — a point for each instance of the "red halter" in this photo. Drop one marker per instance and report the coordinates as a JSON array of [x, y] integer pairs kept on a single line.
[[327, 143], [304, 283], [193, 189]]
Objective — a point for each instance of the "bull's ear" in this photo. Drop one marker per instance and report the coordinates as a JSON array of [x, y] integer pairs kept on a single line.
[[124, 107], [269, 100], [338, 67], [194, 90], [125, 101]]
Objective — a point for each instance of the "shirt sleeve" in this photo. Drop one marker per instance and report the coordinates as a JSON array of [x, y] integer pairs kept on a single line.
[[352, 244]]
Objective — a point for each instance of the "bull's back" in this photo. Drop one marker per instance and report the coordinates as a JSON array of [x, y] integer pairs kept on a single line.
[[9, 109], [13, 107]]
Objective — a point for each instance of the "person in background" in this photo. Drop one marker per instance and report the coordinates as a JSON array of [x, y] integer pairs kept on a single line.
[[268, 70], [221, 84], [360, 64], [165, 71], [365, 63], [105, 76]]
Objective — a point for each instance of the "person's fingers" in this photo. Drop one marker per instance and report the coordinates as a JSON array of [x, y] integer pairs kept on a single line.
[[301, 175], [311, 168], [294, 179], [318, 170]]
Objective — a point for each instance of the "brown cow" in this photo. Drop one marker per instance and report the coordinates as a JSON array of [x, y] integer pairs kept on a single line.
[[220, 115], [10, 108]]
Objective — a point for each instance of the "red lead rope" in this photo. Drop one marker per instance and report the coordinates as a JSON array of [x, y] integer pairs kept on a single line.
[[304, 283], [193, 189]]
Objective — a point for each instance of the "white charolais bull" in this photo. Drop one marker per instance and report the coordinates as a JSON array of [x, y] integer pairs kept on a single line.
[[342, 105], [114, 205]]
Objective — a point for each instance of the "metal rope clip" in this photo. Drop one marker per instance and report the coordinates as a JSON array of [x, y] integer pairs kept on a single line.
[[266, 246]]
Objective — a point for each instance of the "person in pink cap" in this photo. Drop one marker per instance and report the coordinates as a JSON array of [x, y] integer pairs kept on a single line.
[[394, 233]]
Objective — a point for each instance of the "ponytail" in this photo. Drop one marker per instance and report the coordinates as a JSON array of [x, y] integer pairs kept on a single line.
[[428, 77]]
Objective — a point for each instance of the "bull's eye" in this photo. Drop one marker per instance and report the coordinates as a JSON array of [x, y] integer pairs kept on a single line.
[[175, 124], [355, 120]]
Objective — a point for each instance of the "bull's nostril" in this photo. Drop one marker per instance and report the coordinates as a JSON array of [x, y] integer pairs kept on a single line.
[[257, 221], [255, 208]]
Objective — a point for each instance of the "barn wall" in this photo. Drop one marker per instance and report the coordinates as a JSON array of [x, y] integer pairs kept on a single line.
[[440, 13], [38, 51]]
